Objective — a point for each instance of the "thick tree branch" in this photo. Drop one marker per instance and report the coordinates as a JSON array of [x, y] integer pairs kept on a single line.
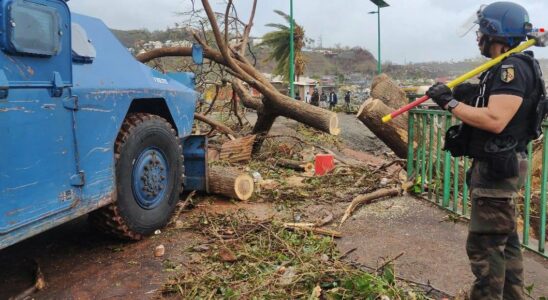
[[247, 100], [215, 124]]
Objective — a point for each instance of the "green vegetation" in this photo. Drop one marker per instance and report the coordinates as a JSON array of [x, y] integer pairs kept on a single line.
[[252, 259], [278, 42]]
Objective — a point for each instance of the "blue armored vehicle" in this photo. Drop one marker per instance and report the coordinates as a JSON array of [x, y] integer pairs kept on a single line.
[[85, 128]]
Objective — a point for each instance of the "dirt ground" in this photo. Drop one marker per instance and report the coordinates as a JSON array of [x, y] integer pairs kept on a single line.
[[79, 263]]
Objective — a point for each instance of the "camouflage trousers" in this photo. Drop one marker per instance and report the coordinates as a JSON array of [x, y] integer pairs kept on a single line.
[[493, 245]]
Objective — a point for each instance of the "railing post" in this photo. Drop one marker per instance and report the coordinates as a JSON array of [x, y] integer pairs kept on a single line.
[[456, 184], [544, 178], [465, 189], [527, 199], [423, 151], [430, 154], [410, 143], [438, 157], [447, 169]]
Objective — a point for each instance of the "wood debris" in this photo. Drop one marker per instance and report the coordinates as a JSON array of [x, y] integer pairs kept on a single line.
[[238, 150], [368, 198], [310, 228]]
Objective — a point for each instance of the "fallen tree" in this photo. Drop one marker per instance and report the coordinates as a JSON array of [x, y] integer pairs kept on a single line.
[[274, 103]]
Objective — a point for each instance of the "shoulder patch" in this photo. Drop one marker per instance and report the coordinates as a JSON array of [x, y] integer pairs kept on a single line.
[[507, 73]]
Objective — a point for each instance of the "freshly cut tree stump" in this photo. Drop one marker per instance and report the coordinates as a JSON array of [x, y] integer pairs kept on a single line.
[[295, 165], [388, 91], [393, 133], [238, 150], [230, 182]]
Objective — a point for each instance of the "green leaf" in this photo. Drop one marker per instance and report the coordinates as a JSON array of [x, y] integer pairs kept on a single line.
[[389, 274], [529, 289]]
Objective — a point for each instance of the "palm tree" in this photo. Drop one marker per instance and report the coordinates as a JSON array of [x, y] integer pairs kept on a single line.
[[278, 42]]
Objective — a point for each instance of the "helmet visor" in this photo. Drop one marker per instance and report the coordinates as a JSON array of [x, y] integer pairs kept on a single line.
[[471, 22]]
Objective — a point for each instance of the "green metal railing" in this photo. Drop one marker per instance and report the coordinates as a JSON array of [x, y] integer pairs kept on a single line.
[[441, 178]]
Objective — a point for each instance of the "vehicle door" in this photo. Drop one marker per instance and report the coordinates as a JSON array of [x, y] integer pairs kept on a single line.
[[39, 177]]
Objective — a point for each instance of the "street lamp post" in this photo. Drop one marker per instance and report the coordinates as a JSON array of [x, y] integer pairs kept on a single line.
[[291, 51], [379, 4]]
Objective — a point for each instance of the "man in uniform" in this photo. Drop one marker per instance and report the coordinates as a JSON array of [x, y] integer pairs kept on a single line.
[[497, 118]]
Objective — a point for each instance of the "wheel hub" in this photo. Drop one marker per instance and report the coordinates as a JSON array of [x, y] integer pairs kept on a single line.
[[150, 178]]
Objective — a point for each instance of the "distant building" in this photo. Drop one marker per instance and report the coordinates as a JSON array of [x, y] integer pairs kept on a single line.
[[305, 84]]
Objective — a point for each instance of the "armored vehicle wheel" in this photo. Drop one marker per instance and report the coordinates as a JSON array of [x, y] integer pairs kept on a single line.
[[149, 170]]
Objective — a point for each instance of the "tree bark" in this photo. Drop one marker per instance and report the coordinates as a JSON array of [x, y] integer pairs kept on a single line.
[[230, 182], [238, 150], [261, 129], [388, 91], [393, 134]]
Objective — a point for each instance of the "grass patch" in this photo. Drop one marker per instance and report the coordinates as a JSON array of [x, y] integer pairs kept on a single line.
[[250, 259]]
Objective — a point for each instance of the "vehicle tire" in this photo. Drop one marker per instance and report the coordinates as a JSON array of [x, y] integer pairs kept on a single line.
[[149, 172]]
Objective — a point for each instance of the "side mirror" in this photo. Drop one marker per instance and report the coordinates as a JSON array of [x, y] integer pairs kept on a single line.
[[197, 54]]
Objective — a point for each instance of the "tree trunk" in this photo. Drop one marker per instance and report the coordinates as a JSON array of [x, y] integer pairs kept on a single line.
[[393, 133], [388, 91], [238, 150], [310, 115], [261, 129], [229, 182]]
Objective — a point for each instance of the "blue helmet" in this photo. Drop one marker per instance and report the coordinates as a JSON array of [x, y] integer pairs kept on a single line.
[[505, 21]]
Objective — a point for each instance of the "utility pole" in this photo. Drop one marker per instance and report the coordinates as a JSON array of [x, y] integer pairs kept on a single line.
[[291, 51]]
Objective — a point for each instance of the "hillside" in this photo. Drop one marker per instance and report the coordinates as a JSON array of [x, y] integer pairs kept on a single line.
[[135, 38], [320, 62]]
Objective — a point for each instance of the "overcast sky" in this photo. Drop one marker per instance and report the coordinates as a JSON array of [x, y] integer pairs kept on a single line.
[[412, 30]]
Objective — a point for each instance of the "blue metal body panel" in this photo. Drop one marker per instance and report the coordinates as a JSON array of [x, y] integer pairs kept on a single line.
[[57, 155], [195, 153]]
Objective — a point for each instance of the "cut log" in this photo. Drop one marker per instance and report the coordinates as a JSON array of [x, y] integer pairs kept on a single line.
[[366, 199], [238, 150], [295, 165], [310, 115], [393, 133], [230, 182], [388, 91]]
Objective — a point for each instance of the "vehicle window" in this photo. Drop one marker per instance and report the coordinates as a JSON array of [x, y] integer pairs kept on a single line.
[[34, 29], [82, 48]]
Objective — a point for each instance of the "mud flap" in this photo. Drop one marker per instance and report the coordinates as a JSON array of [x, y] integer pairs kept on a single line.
[[195, 161]]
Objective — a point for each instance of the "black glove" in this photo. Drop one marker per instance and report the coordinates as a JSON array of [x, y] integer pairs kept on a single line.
[[466, 92], [440, 93]]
